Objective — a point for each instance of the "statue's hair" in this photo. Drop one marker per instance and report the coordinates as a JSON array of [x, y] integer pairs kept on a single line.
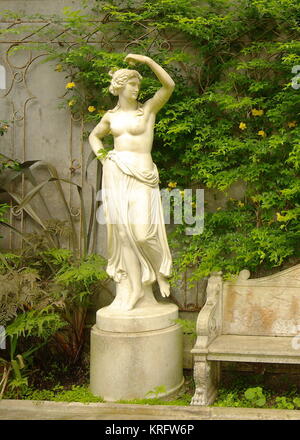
[[119, 79]]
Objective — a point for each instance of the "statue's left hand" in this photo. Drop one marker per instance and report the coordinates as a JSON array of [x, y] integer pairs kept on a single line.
[[133, 58]]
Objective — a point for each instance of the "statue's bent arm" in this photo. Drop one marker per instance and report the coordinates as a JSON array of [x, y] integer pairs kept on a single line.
[[99, 132]]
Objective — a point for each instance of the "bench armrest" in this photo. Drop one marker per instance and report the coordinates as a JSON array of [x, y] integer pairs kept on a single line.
[[209, 318]]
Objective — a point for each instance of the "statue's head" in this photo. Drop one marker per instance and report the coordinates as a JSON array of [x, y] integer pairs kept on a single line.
[[119, 79]]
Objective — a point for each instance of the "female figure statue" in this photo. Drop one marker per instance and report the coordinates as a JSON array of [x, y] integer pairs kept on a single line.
[[138, 251]]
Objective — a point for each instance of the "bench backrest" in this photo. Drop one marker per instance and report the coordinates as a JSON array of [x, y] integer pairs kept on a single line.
[[268, 306]]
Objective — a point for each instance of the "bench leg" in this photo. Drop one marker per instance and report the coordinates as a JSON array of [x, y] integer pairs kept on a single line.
[[207, 377]]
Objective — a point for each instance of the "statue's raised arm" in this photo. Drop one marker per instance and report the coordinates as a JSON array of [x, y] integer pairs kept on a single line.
[[163, 94]]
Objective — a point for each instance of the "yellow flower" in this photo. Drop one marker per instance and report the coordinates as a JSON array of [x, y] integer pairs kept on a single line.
[[91, 108], [242, 126], [172, 184], [280, 217], [292, 124], [71, 102], [256, 112], [70, 85], [58, 68], [262, 133], [219, 208], [182, 193], [241, 204]]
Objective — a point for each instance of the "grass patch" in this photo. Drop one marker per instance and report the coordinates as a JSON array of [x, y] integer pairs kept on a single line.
[[183, 400], [78, 393], [83, 394]]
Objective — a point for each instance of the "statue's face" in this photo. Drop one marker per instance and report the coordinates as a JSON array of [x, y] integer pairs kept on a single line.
[[131, 89]]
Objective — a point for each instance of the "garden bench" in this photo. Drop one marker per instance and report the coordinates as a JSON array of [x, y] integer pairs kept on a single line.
[[246, 320]]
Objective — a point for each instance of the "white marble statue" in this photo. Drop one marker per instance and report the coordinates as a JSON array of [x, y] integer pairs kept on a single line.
[[138, 251]]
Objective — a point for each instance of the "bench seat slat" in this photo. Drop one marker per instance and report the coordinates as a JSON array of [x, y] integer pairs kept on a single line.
[[254, 349]]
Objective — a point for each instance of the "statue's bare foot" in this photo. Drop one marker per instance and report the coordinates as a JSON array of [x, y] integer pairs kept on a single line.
[[164, 285]]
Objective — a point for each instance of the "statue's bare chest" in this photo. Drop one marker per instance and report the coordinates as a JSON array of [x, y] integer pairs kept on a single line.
[[128, 122]]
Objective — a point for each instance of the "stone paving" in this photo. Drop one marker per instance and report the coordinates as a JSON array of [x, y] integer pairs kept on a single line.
[[44, 410]]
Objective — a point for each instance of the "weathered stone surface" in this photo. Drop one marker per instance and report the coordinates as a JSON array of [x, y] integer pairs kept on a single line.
[[153, 317], [263, 306], [43, 410], [254, 349], [246, 321], [39, 6], [128, 365]]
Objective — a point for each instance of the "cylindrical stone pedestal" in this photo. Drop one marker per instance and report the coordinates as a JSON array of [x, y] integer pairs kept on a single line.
[[134, 352]]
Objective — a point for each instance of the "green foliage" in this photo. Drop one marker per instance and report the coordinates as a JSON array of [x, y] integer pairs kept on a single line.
[[33, 323], [43, 300], [157, 391], [188, 326], [284, 403], [88, 271], [81, 393], [184, 400], [229, 398], [7, 163], [3, 127], [58, 394], [3, 209], [74, 282], [41, 323], [296, 402], [77, 394], [240, 395], [255, 396], [22, 292]]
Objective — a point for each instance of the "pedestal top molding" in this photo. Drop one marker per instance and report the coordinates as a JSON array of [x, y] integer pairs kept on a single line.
[[140, 319]]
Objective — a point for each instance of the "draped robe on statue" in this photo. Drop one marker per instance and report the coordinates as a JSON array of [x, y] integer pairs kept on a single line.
[[124, 191]]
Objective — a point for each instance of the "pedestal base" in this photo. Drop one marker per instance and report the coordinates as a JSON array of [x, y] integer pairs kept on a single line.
[[127, 365], [142, 318]]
